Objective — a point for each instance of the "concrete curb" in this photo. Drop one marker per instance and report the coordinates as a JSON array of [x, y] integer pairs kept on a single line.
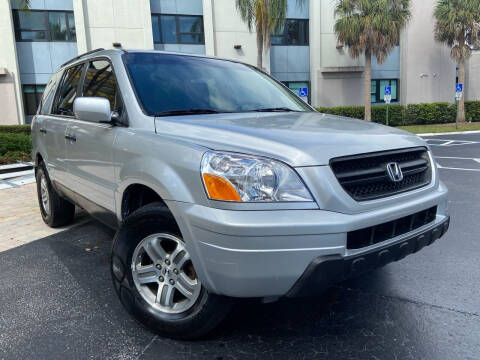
[[451, 133]]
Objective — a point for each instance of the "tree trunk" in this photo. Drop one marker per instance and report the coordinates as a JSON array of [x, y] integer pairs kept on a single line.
[[259, 50], [461, 80], [368, 85]]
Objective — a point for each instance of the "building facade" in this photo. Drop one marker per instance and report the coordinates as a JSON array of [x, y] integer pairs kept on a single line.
[[305, 55]]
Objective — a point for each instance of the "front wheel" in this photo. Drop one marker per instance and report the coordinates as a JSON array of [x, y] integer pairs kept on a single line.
[[156, 281]]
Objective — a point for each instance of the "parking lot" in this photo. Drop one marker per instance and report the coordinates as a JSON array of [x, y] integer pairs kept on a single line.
[[57, 300]]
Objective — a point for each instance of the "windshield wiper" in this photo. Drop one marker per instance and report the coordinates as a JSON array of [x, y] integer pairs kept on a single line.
[[186, 112], [275, 109]]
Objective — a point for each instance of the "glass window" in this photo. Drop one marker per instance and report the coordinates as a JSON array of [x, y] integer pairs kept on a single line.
[[67, 91], [39, 25], [177, 29], [378, 89], [166, 82], [32, 95], [100, 82], [168, 29], [48, 95], [293, 32], [57, 22]]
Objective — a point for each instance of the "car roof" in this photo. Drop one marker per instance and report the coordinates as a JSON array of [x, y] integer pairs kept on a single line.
[[119, 52]]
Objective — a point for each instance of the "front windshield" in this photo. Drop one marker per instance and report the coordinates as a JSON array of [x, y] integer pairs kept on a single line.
[[175, 83]]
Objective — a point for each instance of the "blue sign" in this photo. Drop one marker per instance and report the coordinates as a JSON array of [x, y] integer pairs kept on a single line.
[[388, 90], [303, 92], [459, 88]]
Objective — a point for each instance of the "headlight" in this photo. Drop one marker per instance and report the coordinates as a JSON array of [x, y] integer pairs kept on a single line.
[[245, 178]]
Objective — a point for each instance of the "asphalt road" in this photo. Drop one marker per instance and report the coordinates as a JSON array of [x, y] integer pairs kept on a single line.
[[57, 301]]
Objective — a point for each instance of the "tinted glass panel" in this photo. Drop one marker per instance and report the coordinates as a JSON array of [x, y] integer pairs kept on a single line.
[[71, 26], [31, 97], [169, 82], [191, 39], [190, 24], [32, 20], [67, 92], [48, 95], [169, 29], [33, 35], [155, 29], [100, 82], [58, 26], [293, 32]]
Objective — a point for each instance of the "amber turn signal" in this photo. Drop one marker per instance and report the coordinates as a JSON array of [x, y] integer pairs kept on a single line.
[[219, 188]]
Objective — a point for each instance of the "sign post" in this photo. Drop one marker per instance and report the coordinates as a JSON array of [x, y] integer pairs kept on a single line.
[[387, 97], [458, 97]]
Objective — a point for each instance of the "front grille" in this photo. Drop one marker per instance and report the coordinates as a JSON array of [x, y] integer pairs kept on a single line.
[[364, 177], [376, 234]]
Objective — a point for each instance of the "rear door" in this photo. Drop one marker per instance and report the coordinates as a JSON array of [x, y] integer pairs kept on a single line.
[[90, 155], [56, 122]]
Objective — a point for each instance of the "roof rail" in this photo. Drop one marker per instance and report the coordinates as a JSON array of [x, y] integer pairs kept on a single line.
[[82, 55]]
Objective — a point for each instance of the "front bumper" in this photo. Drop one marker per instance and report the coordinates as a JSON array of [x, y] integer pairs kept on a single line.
[[325, 271], [267, 253]]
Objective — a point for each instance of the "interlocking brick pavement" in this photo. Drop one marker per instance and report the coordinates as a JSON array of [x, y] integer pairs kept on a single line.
[[20, 220]]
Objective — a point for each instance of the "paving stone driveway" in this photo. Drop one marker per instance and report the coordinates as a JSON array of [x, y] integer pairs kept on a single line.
[[20, 220]]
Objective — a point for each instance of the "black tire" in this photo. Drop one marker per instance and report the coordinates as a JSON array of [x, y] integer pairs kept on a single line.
[[207, 311], [61, 211]]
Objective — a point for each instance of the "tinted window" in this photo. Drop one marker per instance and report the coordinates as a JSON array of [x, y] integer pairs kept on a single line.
[[177, 29], [166, 82], [35, 25], [49, 95], [294, 32], [67, 91], [100, 82], [32, 95]]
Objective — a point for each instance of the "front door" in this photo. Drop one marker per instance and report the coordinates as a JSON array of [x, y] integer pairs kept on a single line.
[[90, 144], [57, 122]]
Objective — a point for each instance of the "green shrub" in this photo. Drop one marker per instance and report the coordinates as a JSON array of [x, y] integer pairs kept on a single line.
[[396, 114], [356, 112], [15, 143], [15, 129], [412, 114], [472, 110]]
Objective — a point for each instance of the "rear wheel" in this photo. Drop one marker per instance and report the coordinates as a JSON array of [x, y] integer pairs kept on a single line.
[[55, 210], [156, 280]]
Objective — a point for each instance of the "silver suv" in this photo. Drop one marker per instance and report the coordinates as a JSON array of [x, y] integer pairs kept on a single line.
[[223, 184]]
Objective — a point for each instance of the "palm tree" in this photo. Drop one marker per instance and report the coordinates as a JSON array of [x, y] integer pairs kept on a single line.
[[458, 26], [267, 16], [370, 27]]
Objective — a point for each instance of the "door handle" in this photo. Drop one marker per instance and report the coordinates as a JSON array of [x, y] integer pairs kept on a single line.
[[70, 137], [43, 130]]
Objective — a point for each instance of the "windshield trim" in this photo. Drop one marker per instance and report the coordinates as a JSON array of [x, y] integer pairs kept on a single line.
[[254, 68]]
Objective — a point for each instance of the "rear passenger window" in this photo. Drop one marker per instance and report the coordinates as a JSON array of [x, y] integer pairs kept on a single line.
[[48, 95], [67, 91], [100, 82]]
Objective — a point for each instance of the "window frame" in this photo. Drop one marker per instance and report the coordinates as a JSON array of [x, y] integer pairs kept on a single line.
[[84, 62], [178, 34], [378, 90], [18, 29], [284, 35], [38, 99]]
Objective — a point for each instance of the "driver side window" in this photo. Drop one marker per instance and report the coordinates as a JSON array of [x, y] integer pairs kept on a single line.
[[67, 91], [100, 82]]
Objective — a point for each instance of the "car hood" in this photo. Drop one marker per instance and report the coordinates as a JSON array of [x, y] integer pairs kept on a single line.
[[299, 139]]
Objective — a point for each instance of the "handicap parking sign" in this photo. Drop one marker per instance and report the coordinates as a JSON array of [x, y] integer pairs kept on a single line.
[[303, 92], [388, 90], [459, 88]]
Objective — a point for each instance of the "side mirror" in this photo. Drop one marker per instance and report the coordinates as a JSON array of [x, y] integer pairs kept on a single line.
[[94, 109]]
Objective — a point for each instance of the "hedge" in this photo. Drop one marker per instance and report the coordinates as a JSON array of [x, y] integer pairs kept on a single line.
[[15, 129], [412, 114], [10, 143]]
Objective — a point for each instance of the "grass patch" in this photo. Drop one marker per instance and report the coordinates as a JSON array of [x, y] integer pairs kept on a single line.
[[440, 128]]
